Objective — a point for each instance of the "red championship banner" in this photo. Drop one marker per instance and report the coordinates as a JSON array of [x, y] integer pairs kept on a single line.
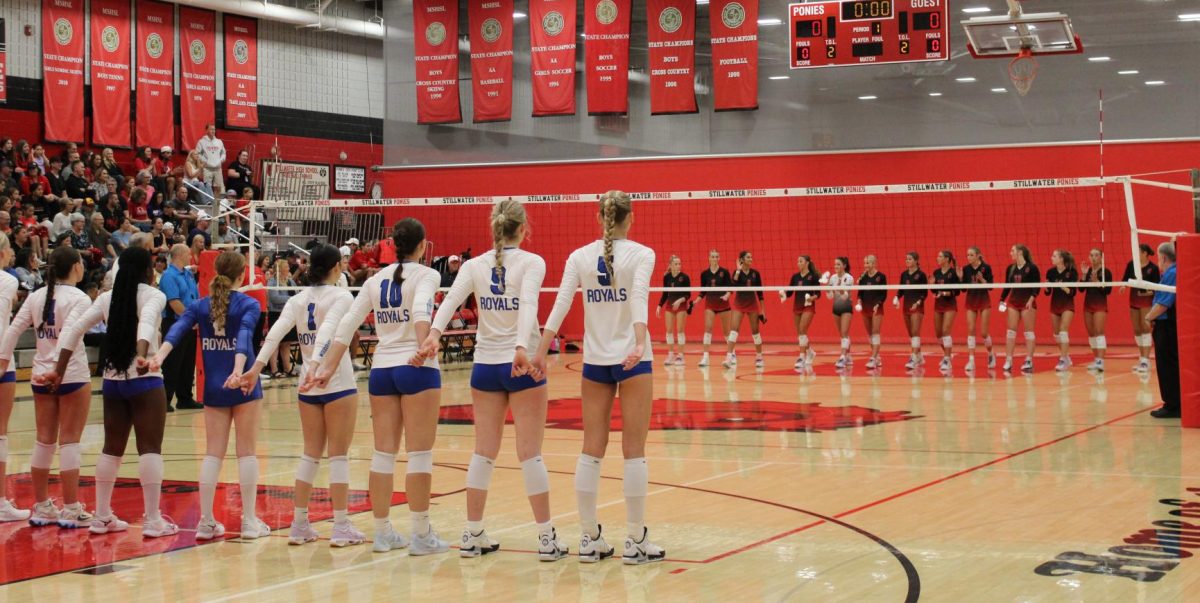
[[3, 64], [606, 37], [734, 38], [110, 73], [491, 23], [435, 33], [198, 73], [552, 56], [241, 72], [62, 69], [671, 37], [155, 74]]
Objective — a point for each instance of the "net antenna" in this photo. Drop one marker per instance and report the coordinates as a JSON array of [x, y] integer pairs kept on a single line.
[[1021, 37]]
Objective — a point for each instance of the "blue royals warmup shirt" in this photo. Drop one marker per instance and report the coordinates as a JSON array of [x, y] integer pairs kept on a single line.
[[220, 348]]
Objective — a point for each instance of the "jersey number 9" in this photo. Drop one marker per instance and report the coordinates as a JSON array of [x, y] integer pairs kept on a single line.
[[498, 280], [602, 272]]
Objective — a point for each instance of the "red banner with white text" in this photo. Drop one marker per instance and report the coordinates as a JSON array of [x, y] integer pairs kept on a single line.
[[62, 69], [552, 56], [606, 48], [155, 74], [111, 33], [733, 26], [671, 38], [241, 72], [491, 23], [198, 73], [435, 33], [3, 64]]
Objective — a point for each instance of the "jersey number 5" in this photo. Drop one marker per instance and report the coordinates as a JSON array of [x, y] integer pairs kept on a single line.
[[498, 280], [602, 272], [312, 318], [390, 295]]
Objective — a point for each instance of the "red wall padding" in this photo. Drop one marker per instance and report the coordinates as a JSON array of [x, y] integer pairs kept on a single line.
[[777, 230], [1187, 309]]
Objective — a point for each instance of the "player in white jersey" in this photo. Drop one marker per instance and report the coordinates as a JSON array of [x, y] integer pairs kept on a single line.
[[404, 399], [133, 396], [840, 281], [61, 414], [8, 381], [327, 414], [506, 281], [615, 276]]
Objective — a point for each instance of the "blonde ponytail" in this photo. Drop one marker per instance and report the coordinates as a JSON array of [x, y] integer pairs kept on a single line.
[[229, 267], [615, 206], [507, 218]]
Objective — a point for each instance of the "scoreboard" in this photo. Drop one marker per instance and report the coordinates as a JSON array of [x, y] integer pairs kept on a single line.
[[867, 32]]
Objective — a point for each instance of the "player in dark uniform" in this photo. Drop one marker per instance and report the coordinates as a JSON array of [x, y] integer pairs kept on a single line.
[[804, 308], [745, 303], [870, 303], [978, 305], [676, 306], [945, 305], [1140, 301], [1023, 302], [1062, 302], [912, 304], [716, 303], [1095, 308]]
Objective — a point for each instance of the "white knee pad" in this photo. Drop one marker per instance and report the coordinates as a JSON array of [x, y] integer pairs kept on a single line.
[[875, 339], [670, 339], [1092, 342], [947, 341], [383, 462], [681, 339], [731, 337], [3, 449], [1030, 336], [845, 343], [306, 471], [1010, 335], [637, 478], [537, 479], [43, 455], [756, 338], [803, 339], [970, 342], [1144, 340], [1063, 337], [69, 457], [1101, 343], [915, 342], [479, 472], [339, 470], [707, 339], [420, 461], [587, 474]]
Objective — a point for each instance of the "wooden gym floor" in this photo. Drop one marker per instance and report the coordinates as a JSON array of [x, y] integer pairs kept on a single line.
[[765, 486]]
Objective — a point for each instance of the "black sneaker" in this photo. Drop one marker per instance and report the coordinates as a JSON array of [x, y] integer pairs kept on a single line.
[[1165, 413], [170, 408], [189, 405]]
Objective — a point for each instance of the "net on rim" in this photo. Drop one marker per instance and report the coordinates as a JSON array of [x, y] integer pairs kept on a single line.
[[1022, 70]]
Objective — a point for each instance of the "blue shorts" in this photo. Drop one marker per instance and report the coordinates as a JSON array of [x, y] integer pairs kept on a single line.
[[615, 373], [9, 377], [217, 396], [126, 389], [327, 398], [403, 380], [63, 388], [498, 378]]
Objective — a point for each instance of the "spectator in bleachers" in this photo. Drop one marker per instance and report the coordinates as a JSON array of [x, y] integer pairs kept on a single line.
[[5, 222], [281, 276], [122, 235], [102, 185], [139, 210], [80, 239], [145, 161], [240, 174], [68, 150], [197, 250], [33, 175], [22, 157], [363, 262], [76, 183], [201, 229], [58, 186], [109, 163], [225, 235], [39, 233], [100, 238], [212, 154], [27, 269], [7, 179], [193, 175], [61, 223]]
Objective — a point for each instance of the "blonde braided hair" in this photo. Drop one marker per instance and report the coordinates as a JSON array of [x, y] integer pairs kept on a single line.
[[507, 218], [615, 207], [229, 267]]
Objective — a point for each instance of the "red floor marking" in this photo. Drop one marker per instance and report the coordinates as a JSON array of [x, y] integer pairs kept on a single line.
[[31, 552]]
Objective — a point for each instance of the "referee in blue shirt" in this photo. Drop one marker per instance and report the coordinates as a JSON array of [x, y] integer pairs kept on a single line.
[[1166, 338], [179, 371]]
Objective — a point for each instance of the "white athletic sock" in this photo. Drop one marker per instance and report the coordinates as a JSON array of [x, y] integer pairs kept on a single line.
[[248, 484], [300, 515], [106, 478], [340, 516], [587, 484], [636, 484], [545, 528], [419, 522], [474, 527], [150, 474], [210, 467], [971, 342], [382, 525]]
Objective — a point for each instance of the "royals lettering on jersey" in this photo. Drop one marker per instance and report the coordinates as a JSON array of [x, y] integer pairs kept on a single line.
[[68, 300], [400, 297]]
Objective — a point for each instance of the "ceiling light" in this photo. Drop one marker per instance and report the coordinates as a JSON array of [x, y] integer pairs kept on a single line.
[[935, 94], [965, 80], [1189, 17], [779, 77], [999, 90], [770, 21], [701, 1], [1155, 83], [1128, 72], [868, 97], [1099, 59], [972, 10], [519, 15]]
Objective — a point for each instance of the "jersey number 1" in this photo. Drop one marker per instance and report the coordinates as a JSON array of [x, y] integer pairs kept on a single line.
[[390, 295], [312, 318]]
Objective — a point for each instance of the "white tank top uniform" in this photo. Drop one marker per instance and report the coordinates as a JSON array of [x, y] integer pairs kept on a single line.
[[8, 293], [612, 304], [150, 305], [508, 308], [315, 313], [397, 305], [67, 300]]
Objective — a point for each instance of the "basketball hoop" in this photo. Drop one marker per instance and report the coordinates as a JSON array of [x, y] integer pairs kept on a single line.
[[1022, 70]]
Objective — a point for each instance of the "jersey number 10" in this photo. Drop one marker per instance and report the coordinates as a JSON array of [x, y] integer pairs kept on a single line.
[[390, 295]]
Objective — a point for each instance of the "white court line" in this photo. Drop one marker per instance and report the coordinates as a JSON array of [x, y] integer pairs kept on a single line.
[[393, 558]]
